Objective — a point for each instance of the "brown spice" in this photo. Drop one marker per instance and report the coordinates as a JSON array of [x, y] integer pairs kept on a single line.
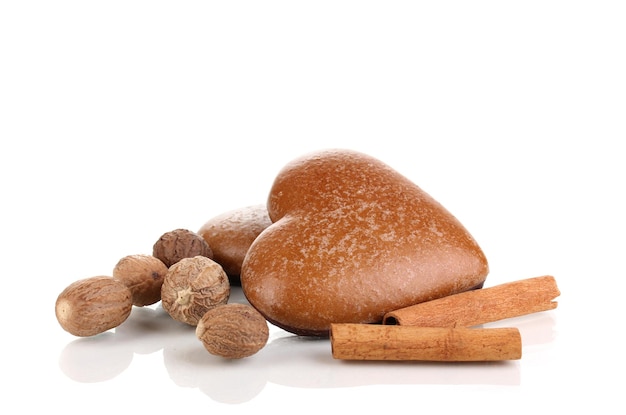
[[481, 306], [233, 331], [382, 342], [93, 305], [175, 245], [143, 275], [193, 286]]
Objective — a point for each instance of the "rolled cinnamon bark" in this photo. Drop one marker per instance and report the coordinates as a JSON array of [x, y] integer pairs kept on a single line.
[[480, 306], [384, 342]]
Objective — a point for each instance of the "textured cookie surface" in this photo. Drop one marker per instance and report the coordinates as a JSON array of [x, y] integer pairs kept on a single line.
[[351, 240], [231, 233]]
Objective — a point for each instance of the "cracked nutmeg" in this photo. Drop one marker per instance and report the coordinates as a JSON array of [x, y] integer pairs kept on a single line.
[[193, 286], [175, 245]]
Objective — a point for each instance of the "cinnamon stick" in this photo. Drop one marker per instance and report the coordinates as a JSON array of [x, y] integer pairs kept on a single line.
[[480, 306], [460, 344]]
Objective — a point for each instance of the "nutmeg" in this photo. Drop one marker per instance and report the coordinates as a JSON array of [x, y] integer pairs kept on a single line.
[[175, 245], [192, 286], [93, 305], [143, 275], [233, 331]]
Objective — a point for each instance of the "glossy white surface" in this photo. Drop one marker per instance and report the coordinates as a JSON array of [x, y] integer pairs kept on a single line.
[[125, 119]]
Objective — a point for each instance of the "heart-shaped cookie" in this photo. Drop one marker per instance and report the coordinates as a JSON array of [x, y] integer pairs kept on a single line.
[[351, 240]]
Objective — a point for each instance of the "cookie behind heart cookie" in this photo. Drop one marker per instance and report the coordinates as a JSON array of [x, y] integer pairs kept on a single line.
[[351, 240]]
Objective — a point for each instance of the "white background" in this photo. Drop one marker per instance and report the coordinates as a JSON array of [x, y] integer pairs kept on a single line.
[[121, 120]]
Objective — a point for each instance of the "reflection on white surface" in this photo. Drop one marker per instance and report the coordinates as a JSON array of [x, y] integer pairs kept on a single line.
[[287, 360]]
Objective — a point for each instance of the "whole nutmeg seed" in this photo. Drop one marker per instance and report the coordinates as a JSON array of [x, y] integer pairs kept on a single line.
[[93, 305], [192, 286], [233, 331], [143, 275], [175, 245]]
